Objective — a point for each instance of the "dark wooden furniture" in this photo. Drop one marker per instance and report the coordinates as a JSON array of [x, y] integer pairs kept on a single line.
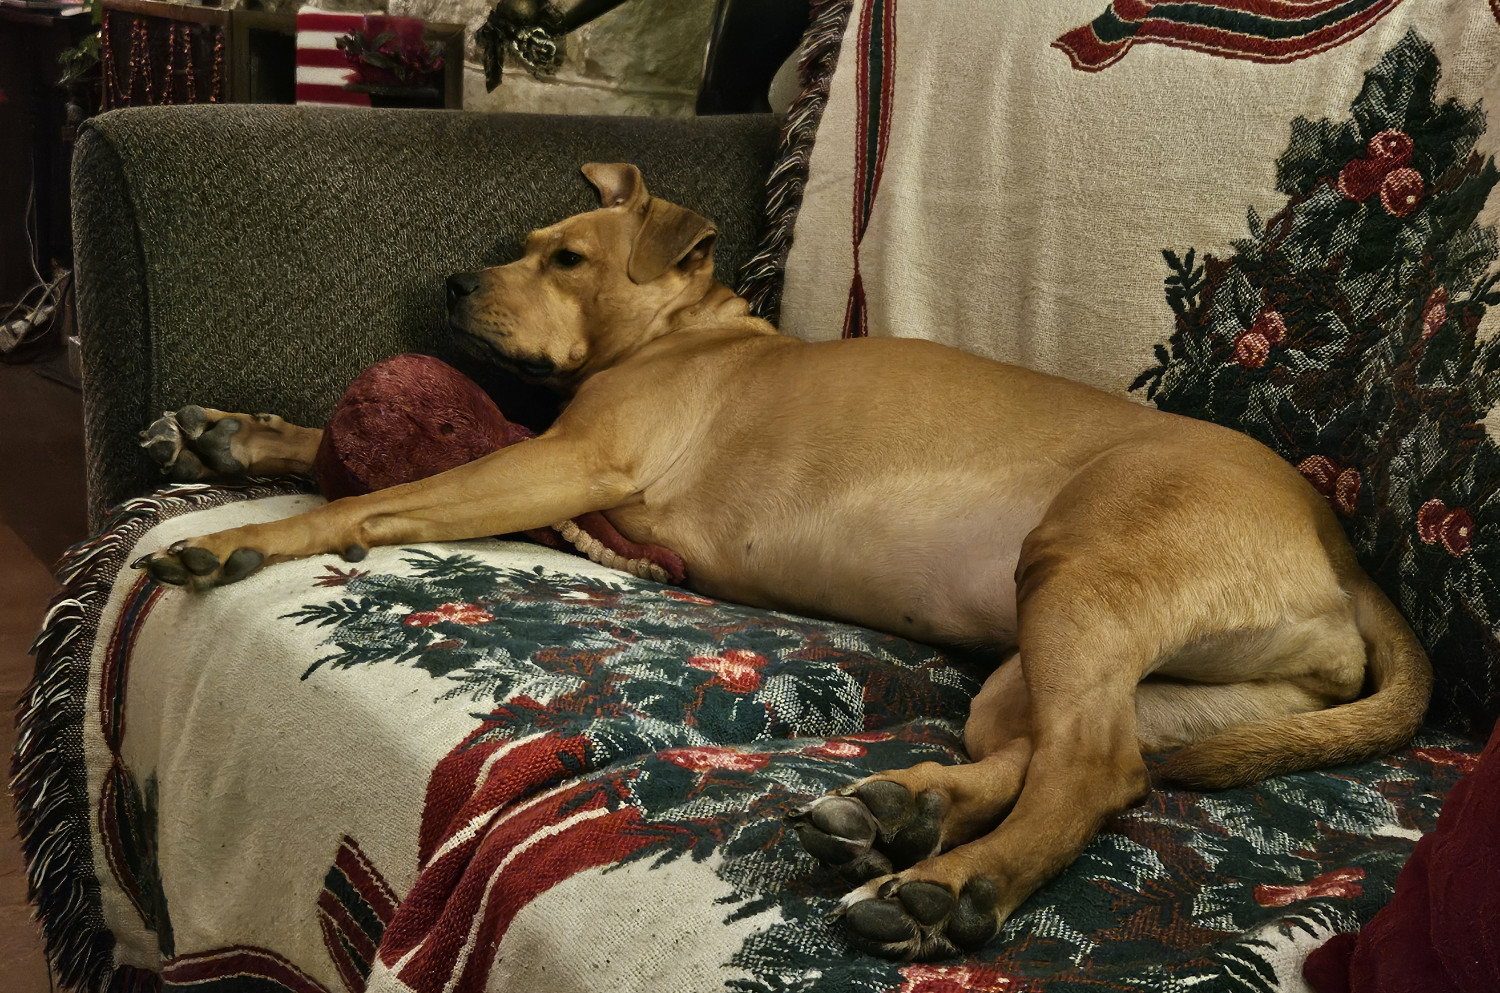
[[237, 56], [747, 43], [35, 146]]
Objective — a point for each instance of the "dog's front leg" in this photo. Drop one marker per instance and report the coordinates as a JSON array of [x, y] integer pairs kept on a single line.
[[531, 484]]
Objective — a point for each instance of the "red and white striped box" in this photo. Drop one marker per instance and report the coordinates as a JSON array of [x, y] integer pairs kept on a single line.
[[322, 69]]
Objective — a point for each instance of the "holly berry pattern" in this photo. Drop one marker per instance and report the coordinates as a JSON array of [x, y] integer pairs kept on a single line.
[[1344, 334], [697, 724]]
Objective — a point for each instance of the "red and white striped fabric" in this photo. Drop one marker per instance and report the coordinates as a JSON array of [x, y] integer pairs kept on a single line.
[[321, 68]]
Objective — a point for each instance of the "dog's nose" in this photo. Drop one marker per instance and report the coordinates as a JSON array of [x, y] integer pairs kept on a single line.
[[460, 285]]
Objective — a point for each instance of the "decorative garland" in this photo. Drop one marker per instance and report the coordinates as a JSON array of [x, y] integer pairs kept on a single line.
[[141, 75], [761, 276]]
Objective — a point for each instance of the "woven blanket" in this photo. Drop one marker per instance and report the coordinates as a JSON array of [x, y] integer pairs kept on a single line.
[[1277, 216], [1003, 176], [491, 766]]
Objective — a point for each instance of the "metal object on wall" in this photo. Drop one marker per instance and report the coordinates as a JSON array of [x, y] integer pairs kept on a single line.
[[529, 31]]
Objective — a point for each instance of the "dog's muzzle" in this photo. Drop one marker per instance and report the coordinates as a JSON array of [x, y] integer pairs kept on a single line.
[[462, 285]]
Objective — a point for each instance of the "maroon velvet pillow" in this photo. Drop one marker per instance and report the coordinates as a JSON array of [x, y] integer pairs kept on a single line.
[[414, 416]]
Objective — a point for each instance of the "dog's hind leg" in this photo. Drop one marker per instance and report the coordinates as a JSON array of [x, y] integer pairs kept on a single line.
[[1081, 669], [894, 819], [200, 443]]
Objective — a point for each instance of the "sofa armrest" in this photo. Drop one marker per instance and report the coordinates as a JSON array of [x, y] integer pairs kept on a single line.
[[258, 257]]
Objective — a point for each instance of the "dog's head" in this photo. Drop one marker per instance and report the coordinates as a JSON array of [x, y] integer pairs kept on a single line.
[[591, 289]]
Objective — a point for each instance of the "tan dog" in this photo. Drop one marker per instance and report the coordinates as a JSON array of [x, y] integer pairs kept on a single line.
[[1163, 583]]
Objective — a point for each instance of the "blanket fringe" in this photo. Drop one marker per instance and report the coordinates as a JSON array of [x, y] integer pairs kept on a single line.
[[48, 779], [761, 276]]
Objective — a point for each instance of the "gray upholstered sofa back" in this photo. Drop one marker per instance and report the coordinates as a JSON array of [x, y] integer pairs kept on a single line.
[[258, 257]]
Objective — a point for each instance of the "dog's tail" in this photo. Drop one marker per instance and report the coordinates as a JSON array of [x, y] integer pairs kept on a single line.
[[1386, 719]]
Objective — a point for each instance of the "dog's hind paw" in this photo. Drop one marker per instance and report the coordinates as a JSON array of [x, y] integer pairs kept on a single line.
[[871, 828], [897, 918]]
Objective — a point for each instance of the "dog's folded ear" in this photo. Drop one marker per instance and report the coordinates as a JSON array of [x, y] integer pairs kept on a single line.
[[670, 236], [617, 182]]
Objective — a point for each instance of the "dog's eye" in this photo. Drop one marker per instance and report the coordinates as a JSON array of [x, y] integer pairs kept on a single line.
[[565, 259]]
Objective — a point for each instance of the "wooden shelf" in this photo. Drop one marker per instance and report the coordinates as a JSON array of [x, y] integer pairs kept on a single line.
[[259, 52]]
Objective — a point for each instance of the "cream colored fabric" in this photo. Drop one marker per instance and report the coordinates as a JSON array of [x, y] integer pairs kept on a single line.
[[248, 831], [1025, 204]]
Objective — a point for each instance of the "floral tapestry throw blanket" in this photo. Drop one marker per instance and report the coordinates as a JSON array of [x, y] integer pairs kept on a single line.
[[490, 766]]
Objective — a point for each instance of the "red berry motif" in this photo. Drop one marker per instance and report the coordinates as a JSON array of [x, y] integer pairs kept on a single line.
[[1387, 154], [1361, 179], [710, 759], [1269, 325], [1454, 529], [1391, 147], [1434, 312], [738, 670], [1401, 192], [1457, 531], [1346, 492], [1251, 350], [1339, 486], [456, 613], [1321, 471], [1430, 520]]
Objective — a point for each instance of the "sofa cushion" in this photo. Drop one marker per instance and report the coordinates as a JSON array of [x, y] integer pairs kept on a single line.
[[257, 257], [1277, 217], [494, 765]]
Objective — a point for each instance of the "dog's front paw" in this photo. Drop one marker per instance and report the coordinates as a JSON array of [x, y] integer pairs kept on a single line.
[[906, 919], [871, 828], [192, 444], [185, 563]]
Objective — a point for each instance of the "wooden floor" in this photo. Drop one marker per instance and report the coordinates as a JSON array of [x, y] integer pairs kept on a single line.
[[41, 514]]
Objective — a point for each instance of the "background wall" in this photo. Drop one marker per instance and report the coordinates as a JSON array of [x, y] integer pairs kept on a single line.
[[644, 57]]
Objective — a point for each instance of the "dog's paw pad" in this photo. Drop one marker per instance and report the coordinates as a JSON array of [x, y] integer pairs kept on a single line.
[[192, 419], [869, 829], [975, 920], [163, 441], [920, 919], [167, 570], [188, 445], [214, 447], [186, 564], [241, 563], [187, 468], [198, 561], [880, 921], [840, 831], [928, 903]]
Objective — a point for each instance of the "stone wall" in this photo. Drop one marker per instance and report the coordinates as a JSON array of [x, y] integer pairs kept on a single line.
[[644, 57]]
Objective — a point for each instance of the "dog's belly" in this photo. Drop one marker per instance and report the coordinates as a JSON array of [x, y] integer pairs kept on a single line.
[[934, 561]]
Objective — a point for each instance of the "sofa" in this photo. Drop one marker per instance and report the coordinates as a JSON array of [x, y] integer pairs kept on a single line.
[[492, 765]]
